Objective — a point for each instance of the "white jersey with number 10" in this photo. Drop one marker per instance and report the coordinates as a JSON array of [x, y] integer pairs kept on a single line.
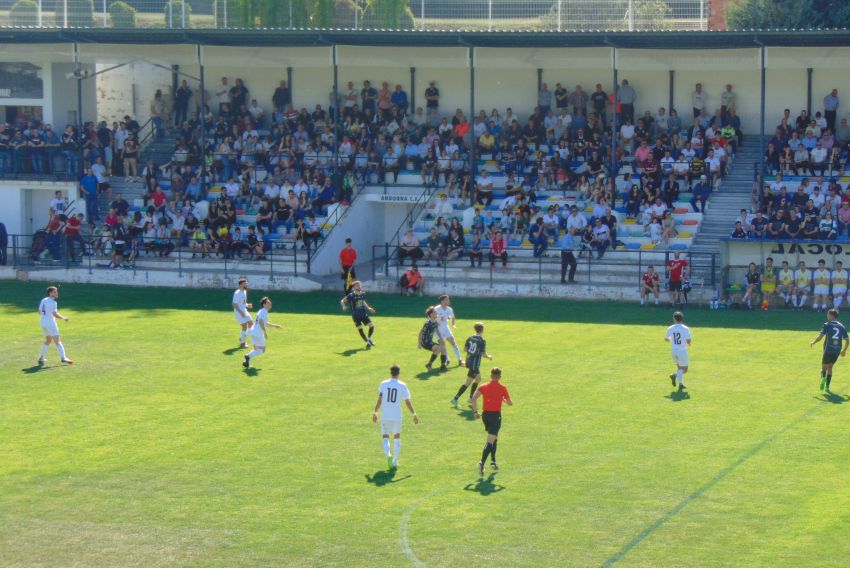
[[679, 335], [392, 392]]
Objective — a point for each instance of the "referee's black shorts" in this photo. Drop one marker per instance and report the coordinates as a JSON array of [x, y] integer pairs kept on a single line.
[[492, 422]]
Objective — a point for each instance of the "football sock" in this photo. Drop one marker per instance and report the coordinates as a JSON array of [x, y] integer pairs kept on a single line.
[[371, 330], [397, 447], [61, 349], [44, 348], [443, 359], [243, 335], [680, 376], [493, 451], [641, 301], [457, 351], [460, 392], [254, 353], [363, 335], [487, 449], [472, 390], [803, 299], [433, 358], [386, 443], [823, 373], [828, 379]]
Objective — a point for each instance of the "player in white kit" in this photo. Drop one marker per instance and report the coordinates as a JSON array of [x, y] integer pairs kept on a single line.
[[446, 321], [240, 310], [258, 331], [48, 311], [390, 394], [679, 337]]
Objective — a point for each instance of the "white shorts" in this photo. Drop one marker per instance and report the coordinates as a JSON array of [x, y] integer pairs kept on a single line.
[[258, 340], [240, 319], [821, 290], [839, 290], [50, 330], [445, 332], [681, 357], [390, 427]]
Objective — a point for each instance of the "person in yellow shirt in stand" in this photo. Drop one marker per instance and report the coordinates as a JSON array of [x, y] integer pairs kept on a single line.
[[840, 277], [786, 283], [802, 286], [822, 278], [768, 282]]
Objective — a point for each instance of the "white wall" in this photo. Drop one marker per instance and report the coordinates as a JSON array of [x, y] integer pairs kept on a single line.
[[64, 96], [26, 204]]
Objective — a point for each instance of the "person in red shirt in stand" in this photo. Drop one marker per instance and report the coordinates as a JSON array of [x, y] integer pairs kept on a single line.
[[159, 199], [649, 285], [494, 394], [347, 259], [675, 267], [72, 235], [498, 249]]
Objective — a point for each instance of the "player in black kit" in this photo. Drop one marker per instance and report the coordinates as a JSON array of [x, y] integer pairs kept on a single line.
[[476, 348], [360, 311], [426, 340]]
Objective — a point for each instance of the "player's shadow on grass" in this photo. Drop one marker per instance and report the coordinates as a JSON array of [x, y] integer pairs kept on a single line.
[[231, 351], [350, 352], [678, 396], [485, 486], [467, 413], [251, 372], [834, 398], [385, 476], [35, 369]]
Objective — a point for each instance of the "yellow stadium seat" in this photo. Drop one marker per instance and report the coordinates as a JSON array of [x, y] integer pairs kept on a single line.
[[629, 221], [647, 246], [685, 235]]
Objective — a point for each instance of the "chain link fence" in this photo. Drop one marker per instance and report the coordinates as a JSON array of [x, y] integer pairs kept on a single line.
[[421, 15]]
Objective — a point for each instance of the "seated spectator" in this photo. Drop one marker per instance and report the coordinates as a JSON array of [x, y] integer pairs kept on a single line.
[[409, 248], [484, 189], [537, 237], [601, 238], [758, 225], [498, 249], [753, 279], [412, 281], [828, 227], [476, 251], [454, 244], [738, 232], [434, 248]]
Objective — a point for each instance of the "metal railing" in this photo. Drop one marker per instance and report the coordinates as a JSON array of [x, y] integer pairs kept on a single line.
[[93, 253], [489, 15], [419, 206], [617, 267]]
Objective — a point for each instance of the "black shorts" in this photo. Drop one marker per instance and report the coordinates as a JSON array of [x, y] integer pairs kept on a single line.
[[829, 358], [473, 372], [675, 285], [360, 320], [492, 422], [428, 345]]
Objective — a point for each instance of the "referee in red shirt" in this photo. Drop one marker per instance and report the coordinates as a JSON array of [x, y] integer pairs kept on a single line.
[[494, 394], [347, 258]]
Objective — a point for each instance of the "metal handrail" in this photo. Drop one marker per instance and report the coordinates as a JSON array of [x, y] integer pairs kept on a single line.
[[418, 206], [143, 140], [338, 217]]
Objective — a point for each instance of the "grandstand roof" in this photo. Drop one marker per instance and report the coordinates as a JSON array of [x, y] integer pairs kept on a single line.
[[536, 39]]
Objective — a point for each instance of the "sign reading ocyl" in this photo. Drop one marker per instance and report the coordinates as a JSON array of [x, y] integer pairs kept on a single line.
[[734, 252]]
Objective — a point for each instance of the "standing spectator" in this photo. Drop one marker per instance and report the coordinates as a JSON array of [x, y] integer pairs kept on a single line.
[[70, 149], [238, 96], [698, 100], [627, 97], [432, 98], [544, 99], [568, 259], [561, 97], [727, 103], [369, 98], [578, 100], [830, 108], [347, 259], [675, 269], [282, 97], [399, 99], [599, 99], [88, 187], [182, 98], [222, 95], [158, 113]]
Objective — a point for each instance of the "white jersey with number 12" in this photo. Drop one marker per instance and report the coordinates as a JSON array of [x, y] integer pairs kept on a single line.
[[679, 335]]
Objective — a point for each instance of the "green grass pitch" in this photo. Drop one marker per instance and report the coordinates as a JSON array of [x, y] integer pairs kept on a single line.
[[157, 449]]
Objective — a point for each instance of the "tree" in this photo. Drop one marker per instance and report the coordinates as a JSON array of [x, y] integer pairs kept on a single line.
[[24, 13], [800, 14], [123, 15], [387, 14], [173, 11], [80, 13]]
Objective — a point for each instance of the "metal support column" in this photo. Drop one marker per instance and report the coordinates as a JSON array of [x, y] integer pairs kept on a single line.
[[761, 117], [201, 116], [335, 115], [471, 118], [672, 92], [539, 81], [809, 73], [615, 118], [78, 74], [412, 106]]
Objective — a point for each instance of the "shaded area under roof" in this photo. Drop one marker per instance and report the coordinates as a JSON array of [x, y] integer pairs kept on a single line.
[[408, 38]]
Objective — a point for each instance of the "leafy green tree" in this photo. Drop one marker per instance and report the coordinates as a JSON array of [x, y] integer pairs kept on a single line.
[[122, 14], [800, 14], [24, 13]]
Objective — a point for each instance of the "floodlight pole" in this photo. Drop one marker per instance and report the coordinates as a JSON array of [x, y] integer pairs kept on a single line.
[[78, 75], [471, 121], [809, 73], [336, 113], [202, 116], [761, 130], [614, 116]]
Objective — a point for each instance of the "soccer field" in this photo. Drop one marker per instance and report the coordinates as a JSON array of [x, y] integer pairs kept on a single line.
[[158, 449]]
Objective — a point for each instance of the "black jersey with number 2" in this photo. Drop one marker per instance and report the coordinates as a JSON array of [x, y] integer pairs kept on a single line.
[[834, 333]]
